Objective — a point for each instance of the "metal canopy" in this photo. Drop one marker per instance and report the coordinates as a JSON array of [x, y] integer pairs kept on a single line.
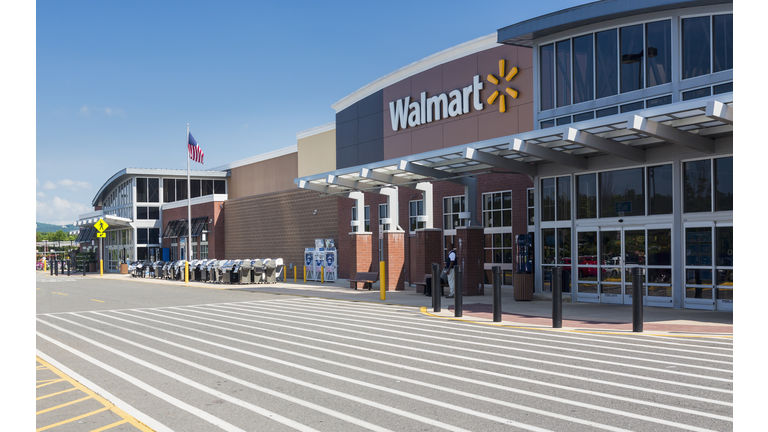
[[694, 124]]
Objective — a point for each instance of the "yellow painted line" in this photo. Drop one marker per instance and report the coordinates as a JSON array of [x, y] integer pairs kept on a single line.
[[424, 311], [41, 367], [72, 419], [37, 289], [52, 382], [100, 301], [62, 405], [110, 426], [107, 404], [58, 293], [57, 393], [48, 380]]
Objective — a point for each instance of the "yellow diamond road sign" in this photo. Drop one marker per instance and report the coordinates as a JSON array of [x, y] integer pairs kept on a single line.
[[101, 225]]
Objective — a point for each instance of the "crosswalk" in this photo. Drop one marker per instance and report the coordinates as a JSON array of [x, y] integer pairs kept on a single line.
[[316, 364]]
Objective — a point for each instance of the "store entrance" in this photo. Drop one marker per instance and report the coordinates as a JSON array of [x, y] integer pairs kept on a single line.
[[607, 256]]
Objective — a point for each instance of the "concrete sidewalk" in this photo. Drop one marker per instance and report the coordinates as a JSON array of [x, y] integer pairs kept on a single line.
[[531, 314]]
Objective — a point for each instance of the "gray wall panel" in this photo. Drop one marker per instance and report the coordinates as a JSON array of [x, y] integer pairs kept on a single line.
[[347, 135], [347, 156], [371, 151]]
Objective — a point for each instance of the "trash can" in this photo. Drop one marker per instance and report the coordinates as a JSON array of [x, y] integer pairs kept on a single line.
[[523, 283], [123, 268], [257, 271], [269, 271]]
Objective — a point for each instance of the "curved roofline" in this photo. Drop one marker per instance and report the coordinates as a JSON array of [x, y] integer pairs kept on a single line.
[[453, 53], [524, 33], [155, 172]]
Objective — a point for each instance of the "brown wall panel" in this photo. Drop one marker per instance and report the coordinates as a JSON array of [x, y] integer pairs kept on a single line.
[[263, 177]]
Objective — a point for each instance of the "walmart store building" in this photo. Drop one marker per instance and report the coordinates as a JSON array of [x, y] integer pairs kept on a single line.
[[601, 133]]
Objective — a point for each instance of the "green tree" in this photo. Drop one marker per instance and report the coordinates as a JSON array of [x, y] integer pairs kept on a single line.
[[58, 235]]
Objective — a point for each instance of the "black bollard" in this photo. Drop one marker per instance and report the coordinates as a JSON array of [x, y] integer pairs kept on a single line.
[[436, 287], [637, 301], [496, 271], [458, 307], [84, 263], [56, 267], [50, 266], [69, 264], [557, 297]]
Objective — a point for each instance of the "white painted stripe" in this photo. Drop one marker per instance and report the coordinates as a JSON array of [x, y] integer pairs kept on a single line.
[[146, 387], [156, 308], [119, 403], [382, 311], [400, 393], [218, 422], [418, 359], [232, 378], [422, 325], [422, 371], [445, 340], [431, 422], [507, 364]]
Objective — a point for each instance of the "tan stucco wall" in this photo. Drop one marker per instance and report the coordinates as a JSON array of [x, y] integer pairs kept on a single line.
[[269, 176], [317, 153]]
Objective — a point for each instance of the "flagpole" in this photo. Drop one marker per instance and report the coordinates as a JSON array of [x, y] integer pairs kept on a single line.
[[189, 204]]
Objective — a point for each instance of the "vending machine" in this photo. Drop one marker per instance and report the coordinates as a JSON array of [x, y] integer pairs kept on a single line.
[[524, 253], [331, 264], [309, 263]]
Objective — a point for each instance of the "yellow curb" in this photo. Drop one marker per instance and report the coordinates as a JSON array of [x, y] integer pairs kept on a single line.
[[424, 311]]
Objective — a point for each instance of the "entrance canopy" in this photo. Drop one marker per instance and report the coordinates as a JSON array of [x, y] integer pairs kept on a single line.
[[694, 124], [111, 220]]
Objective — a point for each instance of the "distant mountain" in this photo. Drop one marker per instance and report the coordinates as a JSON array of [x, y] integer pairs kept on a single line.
[[44, 227]]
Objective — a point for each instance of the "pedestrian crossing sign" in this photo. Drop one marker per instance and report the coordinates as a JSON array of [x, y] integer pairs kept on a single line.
[[101, 226]]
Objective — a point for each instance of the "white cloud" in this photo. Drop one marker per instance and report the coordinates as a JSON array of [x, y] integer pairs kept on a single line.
[[40, 194], [74, 185], [84, 111], [64, 212], [116, 111], [49, 185]]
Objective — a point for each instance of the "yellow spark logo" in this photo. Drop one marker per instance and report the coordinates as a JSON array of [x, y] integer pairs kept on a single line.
[[512, 92]]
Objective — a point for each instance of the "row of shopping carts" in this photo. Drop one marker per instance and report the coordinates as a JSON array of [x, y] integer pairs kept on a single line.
[[247, 271]]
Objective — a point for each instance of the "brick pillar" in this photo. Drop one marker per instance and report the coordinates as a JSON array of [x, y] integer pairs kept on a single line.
[[429, 249], [470, 250], [393, 248], [361, 252]]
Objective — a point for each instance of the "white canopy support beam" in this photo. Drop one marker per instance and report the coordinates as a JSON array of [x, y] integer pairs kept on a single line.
[[585, 139], [303, 184], [548, 154], [384, 178], [670, 134], [501, 162], [719, 111], [359, 220], [426, 171], [428, 192], [393, 207], [334, 179]]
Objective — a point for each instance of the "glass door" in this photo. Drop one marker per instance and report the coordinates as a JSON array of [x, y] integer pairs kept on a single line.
[[709, 266], [634, 257], [587, 283], [611, 266]]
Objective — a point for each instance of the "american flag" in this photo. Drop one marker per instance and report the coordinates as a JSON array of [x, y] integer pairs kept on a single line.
[[195, 153]]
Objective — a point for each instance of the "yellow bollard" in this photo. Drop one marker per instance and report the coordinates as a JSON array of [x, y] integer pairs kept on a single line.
[[101, 267], [322, 274], [186, 272], [294, 274], [383, 280], [305, 274]]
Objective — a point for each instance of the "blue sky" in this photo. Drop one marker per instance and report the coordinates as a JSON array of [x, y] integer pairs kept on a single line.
[[118, 81]]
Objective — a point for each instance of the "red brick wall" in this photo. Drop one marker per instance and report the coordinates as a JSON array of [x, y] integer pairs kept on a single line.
[[429, 249], [211, 210], [358, 254], [394, 256]]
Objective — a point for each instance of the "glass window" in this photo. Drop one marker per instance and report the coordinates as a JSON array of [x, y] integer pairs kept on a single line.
[[564, 198], [169, 190], [660, 190], [722, 42], [589, 115], [724, 184], [723, 88], [181, 189], [564, 246], [634, 106], [698, 186], [153, 192], [154, 213], [142, 235], [548, 244], [664, 100], [698, 93], [354, 217], [607, 69], [154, 236], [563, 73], [141, 189], [605, 112], [695, 43], [497, 209], [658, 37], [583, 74], [621, 193], [547, 124], [194, 188], [547, 67], [724, 252], [207, 187], [698, 246], [586, 186], [531, 201], [631, 58], [384, 213], [452, 206], [415, 208], [547, 199], [367, 218], [564, 120], [141, 213], [219, 187]]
